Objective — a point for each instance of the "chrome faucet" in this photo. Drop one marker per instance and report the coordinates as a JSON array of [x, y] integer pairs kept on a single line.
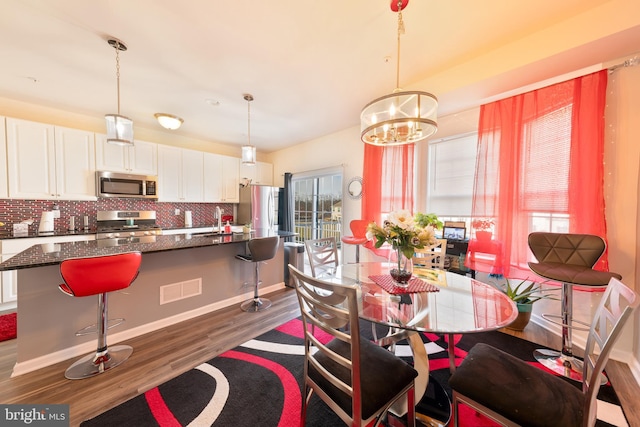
[[219, 218]]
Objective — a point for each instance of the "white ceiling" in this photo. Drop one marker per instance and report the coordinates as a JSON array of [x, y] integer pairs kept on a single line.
[[311, 65]]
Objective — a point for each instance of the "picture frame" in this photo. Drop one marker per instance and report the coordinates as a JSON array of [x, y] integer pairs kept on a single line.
[[457, 233]]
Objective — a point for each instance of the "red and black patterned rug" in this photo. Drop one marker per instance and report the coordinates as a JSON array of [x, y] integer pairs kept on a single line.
[[259, 384], [8, 326]]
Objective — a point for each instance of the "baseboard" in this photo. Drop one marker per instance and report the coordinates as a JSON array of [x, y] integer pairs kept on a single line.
[[26, 366]]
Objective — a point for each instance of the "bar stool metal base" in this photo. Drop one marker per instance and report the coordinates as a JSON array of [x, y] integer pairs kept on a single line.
[[99, 362], [563, 365], [255, 304]]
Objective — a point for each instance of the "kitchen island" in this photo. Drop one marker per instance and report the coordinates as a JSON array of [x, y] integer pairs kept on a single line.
[[181, 276]]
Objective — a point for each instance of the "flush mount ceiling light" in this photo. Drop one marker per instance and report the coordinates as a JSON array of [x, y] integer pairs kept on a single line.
[[168, 121], [248, 151], [403, 117], [119, 128]]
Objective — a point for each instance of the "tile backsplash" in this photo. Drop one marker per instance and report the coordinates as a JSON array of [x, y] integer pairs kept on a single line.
[[14, 211]]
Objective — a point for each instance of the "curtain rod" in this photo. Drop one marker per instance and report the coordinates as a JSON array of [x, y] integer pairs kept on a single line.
[[631, 62]]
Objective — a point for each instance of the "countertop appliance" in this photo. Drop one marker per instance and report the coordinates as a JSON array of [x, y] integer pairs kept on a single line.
[[113, 184], [258, 206], [115, 228]]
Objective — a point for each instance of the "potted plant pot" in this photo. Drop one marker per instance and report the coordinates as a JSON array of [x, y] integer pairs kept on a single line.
[[524, 315]]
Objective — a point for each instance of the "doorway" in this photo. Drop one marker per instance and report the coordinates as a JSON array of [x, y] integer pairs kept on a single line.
[[317, 211]]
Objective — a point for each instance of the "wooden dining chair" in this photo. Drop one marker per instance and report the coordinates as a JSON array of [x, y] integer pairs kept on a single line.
[[356, 378], [512, 392], [323, 254], [432, 256]]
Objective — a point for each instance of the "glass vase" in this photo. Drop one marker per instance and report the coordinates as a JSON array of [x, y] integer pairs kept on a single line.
[[400, 267]]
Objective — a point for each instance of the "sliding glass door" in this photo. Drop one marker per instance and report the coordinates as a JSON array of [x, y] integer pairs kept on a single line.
[[317, 205]]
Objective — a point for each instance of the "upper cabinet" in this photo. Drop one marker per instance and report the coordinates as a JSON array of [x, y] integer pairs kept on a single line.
[[260, 173], [49, 162], [180, 175], [221, 178], [141, 159], [4, 186]]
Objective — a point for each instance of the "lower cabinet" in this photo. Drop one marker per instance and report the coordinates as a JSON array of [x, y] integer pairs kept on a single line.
[[11, 247]]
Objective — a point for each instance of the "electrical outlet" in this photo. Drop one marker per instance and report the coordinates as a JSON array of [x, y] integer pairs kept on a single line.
[[176, 212]]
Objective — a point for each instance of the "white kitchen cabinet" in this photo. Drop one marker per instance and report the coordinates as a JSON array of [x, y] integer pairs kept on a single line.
[[141, 158], [180, 175], [260, 173], [221, 178], [11, 247], [47, 162], [4, 185]]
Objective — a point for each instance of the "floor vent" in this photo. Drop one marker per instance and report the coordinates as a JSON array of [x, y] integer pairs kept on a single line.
[[180, 290]]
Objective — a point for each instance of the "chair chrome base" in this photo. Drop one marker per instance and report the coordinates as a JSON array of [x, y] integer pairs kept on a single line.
[[255, 304], [561, 364], [99, 362]]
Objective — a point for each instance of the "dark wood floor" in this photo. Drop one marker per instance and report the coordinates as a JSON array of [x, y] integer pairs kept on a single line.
[[164, 354]]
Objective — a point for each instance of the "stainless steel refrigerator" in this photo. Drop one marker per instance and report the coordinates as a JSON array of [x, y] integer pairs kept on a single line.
[[259, 206]]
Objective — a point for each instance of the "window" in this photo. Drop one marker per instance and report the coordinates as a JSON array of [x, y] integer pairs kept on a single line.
[[452, 164]]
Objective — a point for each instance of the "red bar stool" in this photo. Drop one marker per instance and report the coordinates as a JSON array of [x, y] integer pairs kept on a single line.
[[359, 235], [97, 276], [260, 249]]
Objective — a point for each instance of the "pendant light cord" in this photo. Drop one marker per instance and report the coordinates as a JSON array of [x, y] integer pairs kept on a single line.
[[248, 97], [118, 73], [400, 32]]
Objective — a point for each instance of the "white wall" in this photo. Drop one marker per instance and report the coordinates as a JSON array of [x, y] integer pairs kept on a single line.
[[622, 187], [341, 149]]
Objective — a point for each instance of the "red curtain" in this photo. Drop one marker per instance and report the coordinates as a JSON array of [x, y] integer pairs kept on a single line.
[[539, 153], [387, 183]]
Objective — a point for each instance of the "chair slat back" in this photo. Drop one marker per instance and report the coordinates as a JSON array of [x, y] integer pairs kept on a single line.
[[432, 256], [332, 308], [322, 253], [616, 305]]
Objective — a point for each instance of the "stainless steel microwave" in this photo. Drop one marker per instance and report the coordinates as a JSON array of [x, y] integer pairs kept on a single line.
[[114, 184]]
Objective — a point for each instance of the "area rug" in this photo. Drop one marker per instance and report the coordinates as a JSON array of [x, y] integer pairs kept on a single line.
[[8, 330], [259, 384]]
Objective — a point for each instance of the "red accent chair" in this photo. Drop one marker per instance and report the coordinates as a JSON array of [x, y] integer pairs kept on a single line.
[[98, 276], [359, 235]]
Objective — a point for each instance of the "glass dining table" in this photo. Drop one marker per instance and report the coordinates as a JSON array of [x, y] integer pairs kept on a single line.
[[454, 304]]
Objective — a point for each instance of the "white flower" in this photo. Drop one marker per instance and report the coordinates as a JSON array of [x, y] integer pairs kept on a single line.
[[402, 219]]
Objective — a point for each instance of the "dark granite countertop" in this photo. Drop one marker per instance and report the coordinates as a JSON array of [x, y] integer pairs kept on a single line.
[[52, 254], [6, 235]]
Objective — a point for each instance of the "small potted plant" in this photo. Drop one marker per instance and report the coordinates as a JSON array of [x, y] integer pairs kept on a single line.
[[525, 294], [430, 219], [483, 228]]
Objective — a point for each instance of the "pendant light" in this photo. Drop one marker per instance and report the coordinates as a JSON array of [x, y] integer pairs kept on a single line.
[[248, 151], [402, 117], [119, 128]]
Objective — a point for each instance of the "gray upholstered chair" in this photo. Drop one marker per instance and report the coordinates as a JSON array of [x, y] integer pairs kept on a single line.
[[260, 249], [323, 254], [569, 259], [357, 379], [513, 392]]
